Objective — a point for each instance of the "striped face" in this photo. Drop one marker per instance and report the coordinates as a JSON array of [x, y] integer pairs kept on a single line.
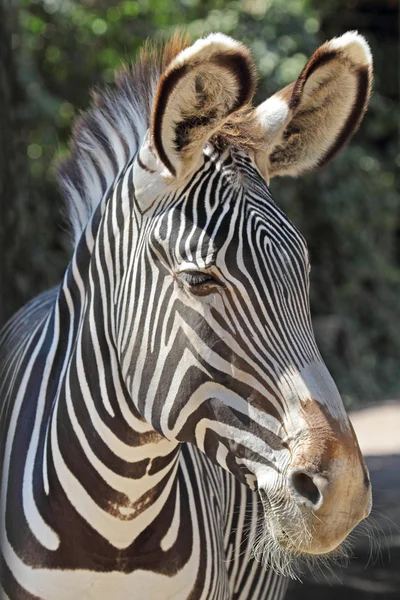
[[225, 356], [232, 281]]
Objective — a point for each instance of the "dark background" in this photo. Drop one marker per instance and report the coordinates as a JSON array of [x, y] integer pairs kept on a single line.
[[52, 52]]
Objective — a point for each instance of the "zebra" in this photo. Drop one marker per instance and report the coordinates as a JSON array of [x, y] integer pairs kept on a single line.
[[168, 426]]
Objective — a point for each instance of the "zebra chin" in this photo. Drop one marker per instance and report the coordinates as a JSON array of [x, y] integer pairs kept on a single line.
[[290, 551], [287, 540]]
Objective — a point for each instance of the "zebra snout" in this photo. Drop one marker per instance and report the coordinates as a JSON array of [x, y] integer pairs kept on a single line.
[[332, 501]]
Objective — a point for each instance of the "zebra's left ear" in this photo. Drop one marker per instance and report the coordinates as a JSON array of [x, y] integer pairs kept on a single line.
[[199, 89], [309, 121]]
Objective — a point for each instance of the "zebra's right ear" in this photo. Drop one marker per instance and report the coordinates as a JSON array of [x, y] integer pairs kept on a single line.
[[199, 89]]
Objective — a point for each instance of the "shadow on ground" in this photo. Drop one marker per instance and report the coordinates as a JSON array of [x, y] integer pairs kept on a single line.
[[366, 577]]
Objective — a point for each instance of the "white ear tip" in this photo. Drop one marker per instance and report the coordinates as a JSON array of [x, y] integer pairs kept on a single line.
[[204, 47], [354, 45], [221, 38]]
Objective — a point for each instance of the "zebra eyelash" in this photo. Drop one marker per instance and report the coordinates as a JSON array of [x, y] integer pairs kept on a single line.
[[197, 279]]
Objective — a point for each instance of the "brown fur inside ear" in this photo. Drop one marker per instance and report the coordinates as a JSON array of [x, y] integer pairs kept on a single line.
[[198, 91], [309, 121], [328, 101]]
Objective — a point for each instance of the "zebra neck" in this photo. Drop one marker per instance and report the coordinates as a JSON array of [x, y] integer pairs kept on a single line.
[[101, 456], [105, 460]]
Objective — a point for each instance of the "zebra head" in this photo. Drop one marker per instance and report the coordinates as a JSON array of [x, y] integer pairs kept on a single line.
[[216, 343]]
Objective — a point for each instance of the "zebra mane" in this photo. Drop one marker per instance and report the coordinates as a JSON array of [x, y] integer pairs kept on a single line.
[[109, 133]]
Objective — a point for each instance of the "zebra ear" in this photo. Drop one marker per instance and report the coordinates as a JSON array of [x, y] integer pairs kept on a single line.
[[309, 121], [200, 88]]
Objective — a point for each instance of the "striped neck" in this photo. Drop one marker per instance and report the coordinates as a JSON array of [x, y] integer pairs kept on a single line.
[[96, 439]]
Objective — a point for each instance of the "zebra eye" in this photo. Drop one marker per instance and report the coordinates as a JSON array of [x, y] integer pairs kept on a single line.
[[197, 278]]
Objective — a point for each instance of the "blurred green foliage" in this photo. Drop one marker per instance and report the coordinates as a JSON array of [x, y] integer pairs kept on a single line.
[[349, 212]]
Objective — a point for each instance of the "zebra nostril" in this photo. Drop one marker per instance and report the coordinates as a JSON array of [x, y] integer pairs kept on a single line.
[[304, 485]]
